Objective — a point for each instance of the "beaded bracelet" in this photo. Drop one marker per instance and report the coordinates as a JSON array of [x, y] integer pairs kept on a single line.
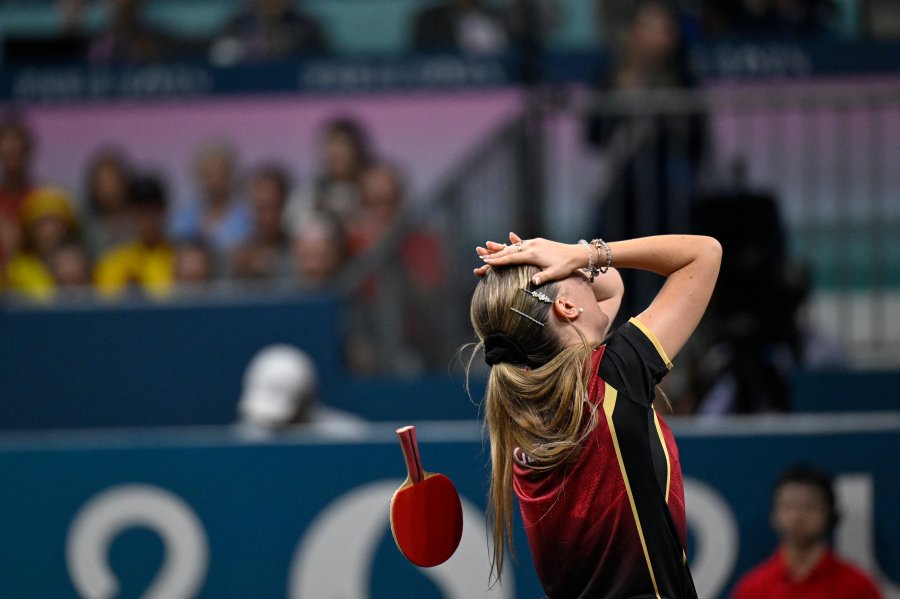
[[591, 270], [598, 243]]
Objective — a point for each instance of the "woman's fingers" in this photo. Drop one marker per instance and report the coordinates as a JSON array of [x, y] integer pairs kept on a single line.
[[549, 274]]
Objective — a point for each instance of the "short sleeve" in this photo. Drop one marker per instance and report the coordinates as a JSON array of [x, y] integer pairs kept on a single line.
[[634, 362]]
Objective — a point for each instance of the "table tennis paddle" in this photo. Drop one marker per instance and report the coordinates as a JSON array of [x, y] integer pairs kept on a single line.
[[426, 514]]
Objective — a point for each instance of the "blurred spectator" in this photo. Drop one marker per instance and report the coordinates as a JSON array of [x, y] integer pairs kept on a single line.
[[127, 36], [804, 514], [268, 29], [267, 252], [194, 265], [765, 18], [381, 195], [147, 263], [219, 216], [16, 145], [882, 20], [654, 159], [381, 210], [613, 18], [391, 325], [344, 155], [753, 338], [281, 391], [469, 26], [320, 250], [106, 194], [70, 266], [49, 224]]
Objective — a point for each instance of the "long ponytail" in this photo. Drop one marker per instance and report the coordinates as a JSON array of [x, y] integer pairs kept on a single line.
[[538, 407]]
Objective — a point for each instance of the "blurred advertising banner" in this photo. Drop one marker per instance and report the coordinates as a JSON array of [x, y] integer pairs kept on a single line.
[[209, 513]]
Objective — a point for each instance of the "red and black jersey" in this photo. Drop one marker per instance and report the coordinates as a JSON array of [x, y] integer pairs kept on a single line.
[[611, 523]]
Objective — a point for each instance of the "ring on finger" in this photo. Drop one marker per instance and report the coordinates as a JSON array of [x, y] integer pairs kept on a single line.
[[519, 246]]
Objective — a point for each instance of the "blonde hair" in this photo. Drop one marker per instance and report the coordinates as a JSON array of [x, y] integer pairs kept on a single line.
[[539, 408]]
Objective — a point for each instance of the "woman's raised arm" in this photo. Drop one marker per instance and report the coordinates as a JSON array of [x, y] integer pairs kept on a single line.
[[690, 264]]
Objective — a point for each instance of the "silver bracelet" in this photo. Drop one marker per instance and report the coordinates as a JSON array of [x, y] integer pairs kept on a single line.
[[598, 243], [591, 270]]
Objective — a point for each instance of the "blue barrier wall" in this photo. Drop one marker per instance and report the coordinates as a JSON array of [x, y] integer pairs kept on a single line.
[[181, 364], [147, 364], [307, 516]]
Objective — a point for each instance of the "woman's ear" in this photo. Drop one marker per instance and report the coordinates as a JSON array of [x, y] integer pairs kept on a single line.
[[566, 309]]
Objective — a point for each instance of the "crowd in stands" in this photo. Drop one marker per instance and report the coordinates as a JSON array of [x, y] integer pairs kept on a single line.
[[260, 30], [276, 29], [253, 225], [253, 228]]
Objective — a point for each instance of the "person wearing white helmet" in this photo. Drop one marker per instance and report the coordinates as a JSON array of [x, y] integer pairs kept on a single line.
[[280, 392]]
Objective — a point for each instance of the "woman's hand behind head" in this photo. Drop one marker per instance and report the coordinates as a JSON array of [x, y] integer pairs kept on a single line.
[[556, 260]]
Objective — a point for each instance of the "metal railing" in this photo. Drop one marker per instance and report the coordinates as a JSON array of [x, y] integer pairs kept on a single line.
[[824, 154]]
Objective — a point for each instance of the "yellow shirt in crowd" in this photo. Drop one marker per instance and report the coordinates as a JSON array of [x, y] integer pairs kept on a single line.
[[27, 274], [152, 269]]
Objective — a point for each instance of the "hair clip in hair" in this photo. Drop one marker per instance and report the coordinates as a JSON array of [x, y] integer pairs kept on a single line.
[[538, 295], [531, 318]]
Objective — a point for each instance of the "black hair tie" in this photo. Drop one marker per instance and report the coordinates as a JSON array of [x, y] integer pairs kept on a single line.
[[499, 347]]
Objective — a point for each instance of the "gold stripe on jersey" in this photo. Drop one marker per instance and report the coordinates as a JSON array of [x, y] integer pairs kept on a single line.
[[609, 406], [665, 448], [649, 334]]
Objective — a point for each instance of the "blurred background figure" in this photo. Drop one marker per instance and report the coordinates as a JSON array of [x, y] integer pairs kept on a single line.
[[49, 224], [768, 18], [381, 197], [281, 392], [219, 214], [127, 36], [654, 160], [267, 30], [106, 200], [320, 251], [70, 266], [753, 336], [393, 327], [344, 155], [146, 264], [16, 148], [266, 253], [469, 26], [804, 514], [194, 266]]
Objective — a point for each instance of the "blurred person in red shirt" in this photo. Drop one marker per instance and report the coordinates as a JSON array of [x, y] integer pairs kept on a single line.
[[804, 513], [393, 313], [383, 208], [16, 145]]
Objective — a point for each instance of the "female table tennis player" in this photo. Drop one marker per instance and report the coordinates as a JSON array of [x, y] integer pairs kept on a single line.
[[570, 412]]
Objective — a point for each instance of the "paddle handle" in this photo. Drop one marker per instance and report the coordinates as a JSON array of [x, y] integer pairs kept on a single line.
[[410, 447]]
